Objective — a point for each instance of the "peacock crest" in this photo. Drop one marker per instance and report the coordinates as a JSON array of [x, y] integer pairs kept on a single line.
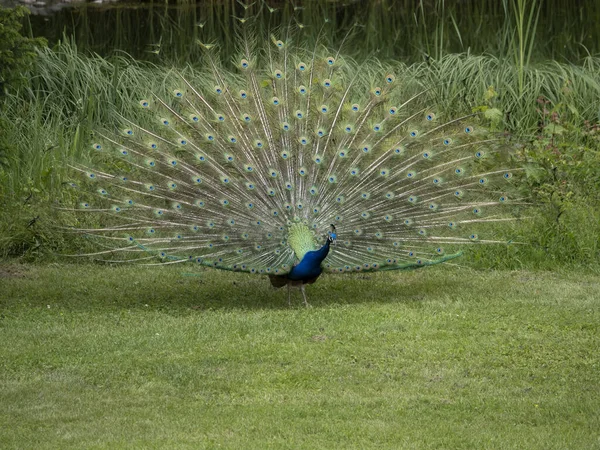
[[293, 152]]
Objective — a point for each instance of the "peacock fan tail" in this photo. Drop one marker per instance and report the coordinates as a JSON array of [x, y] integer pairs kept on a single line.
[[296, 162]]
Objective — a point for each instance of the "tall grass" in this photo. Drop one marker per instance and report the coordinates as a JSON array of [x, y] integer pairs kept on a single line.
[[464, 81], [49, 124], [526, 14], [566, 30]]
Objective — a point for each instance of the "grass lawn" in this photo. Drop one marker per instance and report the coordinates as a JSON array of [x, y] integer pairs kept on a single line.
[[135, 357]]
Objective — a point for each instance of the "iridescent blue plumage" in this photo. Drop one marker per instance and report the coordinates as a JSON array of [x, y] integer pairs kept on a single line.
[[309, 268]]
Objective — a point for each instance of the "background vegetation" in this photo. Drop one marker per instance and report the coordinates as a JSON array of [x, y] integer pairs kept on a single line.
[[478, 56], [406, 30]]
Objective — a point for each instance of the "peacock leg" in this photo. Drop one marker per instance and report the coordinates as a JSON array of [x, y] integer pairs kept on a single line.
[[304, 295], [289, 294]]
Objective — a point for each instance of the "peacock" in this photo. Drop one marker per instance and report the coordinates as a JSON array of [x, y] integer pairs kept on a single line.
[[290, 162]]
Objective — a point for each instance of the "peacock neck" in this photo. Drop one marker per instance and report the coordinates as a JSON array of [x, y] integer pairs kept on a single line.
[[319, 255], [309, 267]]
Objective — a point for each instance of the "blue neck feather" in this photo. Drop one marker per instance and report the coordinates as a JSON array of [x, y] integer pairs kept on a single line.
[[309, 267]]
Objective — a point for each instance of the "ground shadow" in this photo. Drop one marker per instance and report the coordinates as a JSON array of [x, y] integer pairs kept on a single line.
[[180, 291]]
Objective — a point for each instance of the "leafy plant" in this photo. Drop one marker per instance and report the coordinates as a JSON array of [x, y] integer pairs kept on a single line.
[[17, 53]]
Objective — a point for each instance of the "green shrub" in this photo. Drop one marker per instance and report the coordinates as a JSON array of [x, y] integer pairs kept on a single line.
[[17, 53]]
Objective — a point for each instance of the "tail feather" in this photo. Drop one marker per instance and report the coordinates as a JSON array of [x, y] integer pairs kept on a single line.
[[218, 173]]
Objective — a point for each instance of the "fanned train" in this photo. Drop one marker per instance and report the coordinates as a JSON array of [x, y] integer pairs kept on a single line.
[[294, 162]]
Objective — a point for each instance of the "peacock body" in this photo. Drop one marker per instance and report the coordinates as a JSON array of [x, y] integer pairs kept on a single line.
[[297, 161]]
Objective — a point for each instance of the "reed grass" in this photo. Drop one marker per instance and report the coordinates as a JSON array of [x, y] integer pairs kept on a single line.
[[408, 30]]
